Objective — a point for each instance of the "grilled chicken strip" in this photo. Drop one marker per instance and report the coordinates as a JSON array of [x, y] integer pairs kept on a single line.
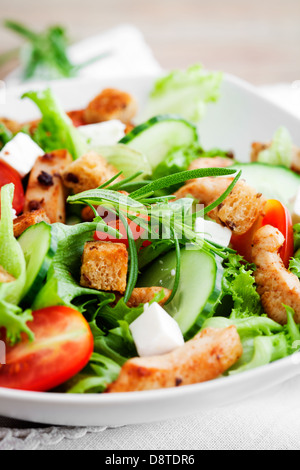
[[238, 211], [275, 284], [205, 357]]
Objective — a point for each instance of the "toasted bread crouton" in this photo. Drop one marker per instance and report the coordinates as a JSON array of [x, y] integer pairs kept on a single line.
[[29, 218], [12, 126], [88, 172], [111, 104], [45, 188], [275, 284], [238, 211], [5, 276], [104, 266], [143, 295], [210, 353]]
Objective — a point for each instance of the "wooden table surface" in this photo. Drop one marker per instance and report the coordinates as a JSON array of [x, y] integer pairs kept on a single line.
[[258, 40]]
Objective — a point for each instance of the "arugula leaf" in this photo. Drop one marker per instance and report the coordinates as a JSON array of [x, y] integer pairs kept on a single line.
[[55, 129], [185, 92]]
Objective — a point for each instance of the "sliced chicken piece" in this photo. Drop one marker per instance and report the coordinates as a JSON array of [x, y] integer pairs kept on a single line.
[[45, 188], [275, 284], [206, 356], [111, 104], [213, 162], [238, 211], [29, 218], [5, 277], [143, 295]]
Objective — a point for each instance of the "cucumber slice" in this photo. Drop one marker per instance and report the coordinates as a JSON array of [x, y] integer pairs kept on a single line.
[[159, 136], [199, 288], [39, 247], [126, 159], [274, 182]]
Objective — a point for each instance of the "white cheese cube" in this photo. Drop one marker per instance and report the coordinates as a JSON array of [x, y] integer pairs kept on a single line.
[[103, 133], [296, 209], [213, 232], [21, 153], [155, 332]]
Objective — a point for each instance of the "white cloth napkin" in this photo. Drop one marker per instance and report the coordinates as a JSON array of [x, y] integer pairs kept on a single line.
[[266, 421]]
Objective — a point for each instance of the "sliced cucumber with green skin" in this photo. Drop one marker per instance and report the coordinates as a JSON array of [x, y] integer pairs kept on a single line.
[[39, 247], [199, 287], [127, 160], [274, 182], [160, 135]]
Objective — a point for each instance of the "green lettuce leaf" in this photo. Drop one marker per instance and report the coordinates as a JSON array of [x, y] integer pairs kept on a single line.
[[15, 321], [62, 284], [281, 150], [11, 254], [55, 130], [5, 135], [185, 92], [95, 377]]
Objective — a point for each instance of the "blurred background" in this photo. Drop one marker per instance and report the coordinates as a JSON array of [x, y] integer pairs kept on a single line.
[[257, 40]]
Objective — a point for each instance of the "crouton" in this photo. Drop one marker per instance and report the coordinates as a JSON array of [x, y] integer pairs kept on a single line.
[[258, 147], [12, 126], [210, 353], [88, 172], [275, 284], [104, 266], [5, 277], [143, 295], [45, 188], [238, 211], [29, 218], [111, 104]]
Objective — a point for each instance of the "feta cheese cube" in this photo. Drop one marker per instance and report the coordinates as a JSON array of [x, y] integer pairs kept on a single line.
[[296, 209], [213, 231], [103, 133], [155, 332], [21, 153]]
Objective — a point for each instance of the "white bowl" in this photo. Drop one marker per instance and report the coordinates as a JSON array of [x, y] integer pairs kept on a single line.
[[241, 116]]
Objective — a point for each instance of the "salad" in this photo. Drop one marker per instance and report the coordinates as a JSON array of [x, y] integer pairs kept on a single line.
[[132, 258]]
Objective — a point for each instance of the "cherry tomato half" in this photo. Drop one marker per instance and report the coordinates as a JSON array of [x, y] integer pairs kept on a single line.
[[137, 232], [62, 346], [10, 175], [277, 215]]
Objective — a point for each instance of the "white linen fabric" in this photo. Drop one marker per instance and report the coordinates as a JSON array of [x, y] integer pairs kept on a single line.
[[266, 421]]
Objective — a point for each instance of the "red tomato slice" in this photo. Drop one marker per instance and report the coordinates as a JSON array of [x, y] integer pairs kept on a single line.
[[10, 175], [62, 346], [277, 215], [137, 232]]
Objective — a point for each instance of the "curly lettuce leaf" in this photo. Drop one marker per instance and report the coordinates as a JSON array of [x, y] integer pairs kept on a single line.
[[55, 130], [14, 320], [62, 284], [280, 151], [95, 377], [185, 92]]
